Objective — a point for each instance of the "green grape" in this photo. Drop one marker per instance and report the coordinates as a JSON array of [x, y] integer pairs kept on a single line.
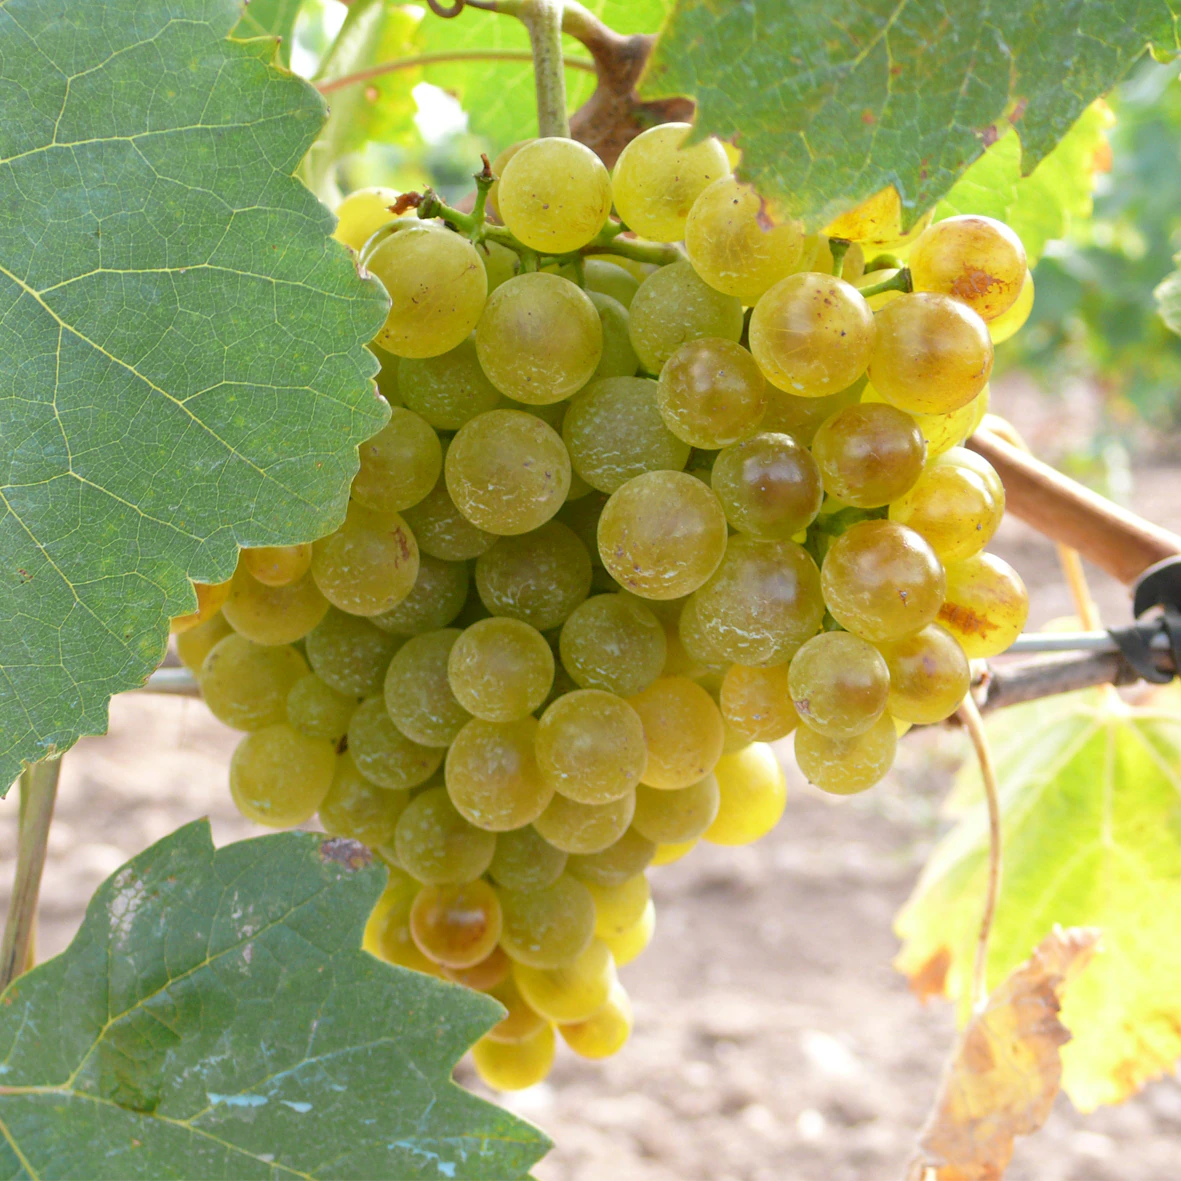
[[585, 828], [769, 486], [273, 614], [615, 643], [839, 684], [418, 694], [606, 1031], [698, 646], [540, 338], [195, 643], [683, 731], [361, 214], [316, 709], [608, 279], [435, 844], [456, 925], [882, 581], [554, 194], [711, 393], [360, 810], [492, 775], [986, 605], [498, 167], [943, 431], [442, 531], [932, 354], [491, 971], [279, 777], [877, 222], [789, 414], [399, 465], [349, 654], [736, 242], [845, 766], [514, 1066], [1012, 320], [520, 1022], [278, 565], [929, 676], [501, 669], [630, 855], [387, 934], [590, 746], [500, 263], [756, 702], [618, 358], [626, 947], [674, 817], [674, 305], [658, 177], [662, 534], [869, 455], [538, 578], [614, 432], [387, 375], [211, 597], [383, 754], [953, 507], [549, 927], [507, 472], [245, 684], [437, 597], [620, 906], [437, 287], [977, 260], [812, 334], [368, 565], [572, 991], [525, 860], [762, 602], [752, 793]]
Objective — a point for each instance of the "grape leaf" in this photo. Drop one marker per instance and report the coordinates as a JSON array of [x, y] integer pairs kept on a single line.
[[270, 18], [182, 366], [1168, 298], [215, 1016], [832, 102], [1091, 805]]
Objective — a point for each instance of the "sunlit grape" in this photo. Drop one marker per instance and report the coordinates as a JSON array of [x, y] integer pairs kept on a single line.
[[929, 675], [977, 260], [844, 766], [752, 793], [986, 605], [869, 455], [839, 684], [369, 564], [711, 393]]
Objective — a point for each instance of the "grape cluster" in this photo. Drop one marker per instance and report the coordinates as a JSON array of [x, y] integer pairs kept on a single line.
[[627, 525]]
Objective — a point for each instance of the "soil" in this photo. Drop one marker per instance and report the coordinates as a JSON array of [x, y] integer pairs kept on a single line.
[[773, 1041]]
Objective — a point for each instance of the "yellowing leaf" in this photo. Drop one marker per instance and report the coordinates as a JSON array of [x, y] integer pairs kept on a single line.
[[1091, 804], [1005, 1070]]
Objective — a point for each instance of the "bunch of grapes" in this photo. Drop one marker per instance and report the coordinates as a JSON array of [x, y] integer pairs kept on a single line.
[[627, 525]]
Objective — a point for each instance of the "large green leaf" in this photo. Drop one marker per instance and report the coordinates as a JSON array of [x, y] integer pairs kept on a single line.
[[216, 1017], [832, 102], [181, 345], [1168, 298], [1091, 806], [270, 18]]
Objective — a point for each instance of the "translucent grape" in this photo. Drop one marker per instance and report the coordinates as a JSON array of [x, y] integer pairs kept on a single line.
[[1012, 320], [621, 906], [974, 259], [521, 1021], [435, 844], [350, 654], [752, 793], [756, 702], [507, 472], [442, 531], [437, 287], [929, 676], [986, 605], [609, 279], [538, 578], [368, 565], [662, 534], [604, 1032], [812, 334], [501, 669], [514, 1066], [211, 597], [456, 925], [499, 164], [361, 214], [869, 455], [245, 684], [683, 732], [399, 465], [711, 393], [500, 263], [492, 775], [737, 243], [658, 177], [614, 432], [943, 431], [932, 354], [437, 597], [614, 643], [278, 565], [585, 828], [674, 817], [630, 855], [540, 338], [674, 305], [618, 358], [769, 486], [699, 646], [572, 991], [279, 777], [387, 933], [525, 860], [273, 614], [383, 754], [882, 581], [316, 709], [492, 970], [418, 693], [839, 684], [554, 194], [845, 766], [876, 222], [625, 947], [762, 602], [789, 414], [360, 810], [195, 643], [548, 927]]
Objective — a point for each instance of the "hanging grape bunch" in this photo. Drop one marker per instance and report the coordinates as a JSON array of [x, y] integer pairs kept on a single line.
[[628, 524]]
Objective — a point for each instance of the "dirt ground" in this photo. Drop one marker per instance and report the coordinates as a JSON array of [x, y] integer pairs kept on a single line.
[[773, 1042]]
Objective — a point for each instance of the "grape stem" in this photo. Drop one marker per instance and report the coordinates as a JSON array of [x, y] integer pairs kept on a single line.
[[543, 19], [839, 248], [898, 282]]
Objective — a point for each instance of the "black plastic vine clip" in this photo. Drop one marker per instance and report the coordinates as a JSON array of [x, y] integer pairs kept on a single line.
[[1158, 586]]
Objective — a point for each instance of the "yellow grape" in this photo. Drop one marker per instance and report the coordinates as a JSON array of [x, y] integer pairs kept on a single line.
[[613, 642], [501, 669], [769, 486], [456, 925], [520, 1022], [608, 278], [676, 817], [869, 455], [789, 414], [360, 810], [418, 692], [752, 794], [498, 166], [628, 856], [986, 605], [573, 990], [513, 1066], [1012, 320], [929, 676], [318, 710], [195, 643], [977, 260], [548, 927], [491, 971], [273, 614], [447, 390], [604, 1032], [492, 774], [683, 731], [943, 431], [387, 934], [839, 684], [399, 465], [877, 222], [437, 846], [582, 829], [368, 565], [756, 702], [844, 766], [665, 855], [348, 653], [625, 947], [437, 597], [621, 906], [442, 531], [383, 754], [525, 860], [211, 597], [278, 565], [279, 777], [245, 685], [361, 214], [618, 358], [711, 393]]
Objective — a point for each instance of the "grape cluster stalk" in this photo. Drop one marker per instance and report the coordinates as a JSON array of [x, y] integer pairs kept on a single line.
[[627, 525]]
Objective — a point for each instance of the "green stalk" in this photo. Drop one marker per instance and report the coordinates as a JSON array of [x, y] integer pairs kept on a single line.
[[839, 248], [899, 282], [543, 19]]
